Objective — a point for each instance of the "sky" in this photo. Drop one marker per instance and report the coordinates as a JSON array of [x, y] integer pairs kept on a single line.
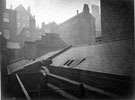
[[52, 10]]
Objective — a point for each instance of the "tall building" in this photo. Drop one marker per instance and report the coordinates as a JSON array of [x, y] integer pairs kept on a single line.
[[26, 25], [119, 19], [23, 18], [95, 12], [80, 29], [2, 8], [28, 33], [3, 41], [9, 26]]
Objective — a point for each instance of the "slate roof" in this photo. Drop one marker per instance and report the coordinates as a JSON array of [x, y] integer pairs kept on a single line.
[[112, 57], [52, 40], [20, 8]]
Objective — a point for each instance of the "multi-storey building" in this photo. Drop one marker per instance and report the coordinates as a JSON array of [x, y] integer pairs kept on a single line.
[[23, 18], [9, 26], [118, 18], [80, 29], [2, 8], [26, 25], [28, 33]]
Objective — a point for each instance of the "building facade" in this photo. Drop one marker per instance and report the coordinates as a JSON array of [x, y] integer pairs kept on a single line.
[[117, 19], [80, 29], [9, 26], [50, 42], [23, 18], [26, 25], [2, 8]]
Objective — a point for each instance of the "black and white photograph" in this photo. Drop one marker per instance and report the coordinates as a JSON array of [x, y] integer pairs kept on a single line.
[[67, 50]]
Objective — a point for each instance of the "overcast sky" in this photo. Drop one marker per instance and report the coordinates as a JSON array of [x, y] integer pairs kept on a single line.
[[52, 10]]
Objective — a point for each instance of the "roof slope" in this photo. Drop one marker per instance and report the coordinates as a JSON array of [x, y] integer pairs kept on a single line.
[[77, 16], [53, 40], [112, 57], [21, 9]]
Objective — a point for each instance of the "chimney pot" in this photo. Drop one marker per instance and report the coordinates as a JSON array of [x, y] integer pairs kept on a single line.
[[77, 12], [86, 8]]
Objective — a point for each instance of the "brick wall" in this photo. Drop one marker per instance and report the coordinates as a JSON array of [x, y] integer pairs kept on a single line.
[[117, 19]]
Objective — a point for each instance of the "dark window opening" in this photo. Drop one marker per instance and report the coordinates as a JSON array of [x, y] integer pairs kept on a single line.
[[70, 62], [66, 62], [81, 61]]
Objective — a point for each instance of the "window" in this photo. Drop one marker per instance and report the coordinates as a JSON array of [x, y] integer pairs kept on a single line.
[[66, 62], [27, 34], [18, 17], [81, 61], [70, 62], [27, 17], [27, 25], [6, 34], [24, 25], [24, 18], [18, 24], [6, 17]]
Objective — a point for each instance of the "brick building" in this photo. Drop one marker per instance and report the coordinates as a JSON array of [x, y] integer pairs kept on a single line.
[[30, 50], [117, 20], [26, 25], [9, 26], [3, 41], [8, 32], [80, 29], [23, 17], [50, 42], [2, 8]]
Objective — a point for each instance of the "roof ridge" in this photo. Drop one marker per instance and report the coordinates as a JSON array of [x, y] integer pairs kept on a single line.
[[82, 13], [21, 6]]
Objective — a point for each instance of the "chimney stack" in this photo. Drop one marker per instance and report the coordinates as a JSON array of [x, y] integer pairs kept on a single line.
[[11, 6], [86, 8], [29, 10], [77, 12]]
